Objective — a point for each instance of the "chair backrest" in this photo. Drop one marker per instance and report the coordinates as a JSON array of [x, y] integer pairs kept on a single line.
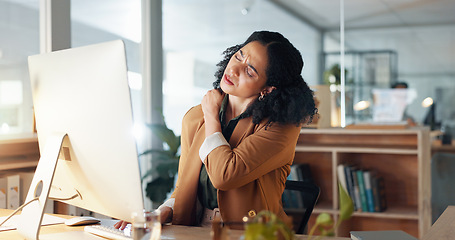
[[299, 199]]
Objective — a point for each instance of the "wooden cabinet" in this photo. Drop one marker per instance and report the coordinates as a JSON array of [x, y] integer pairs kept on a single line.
[[18, 152], [400, 156]]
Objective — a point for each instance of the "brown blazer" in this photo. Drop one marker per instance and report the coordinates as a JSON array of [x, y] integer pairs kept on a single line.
[[249, 175]]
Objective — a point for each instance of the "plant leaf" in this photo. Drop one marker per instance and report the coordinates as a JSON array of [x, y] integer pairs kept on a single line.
[[166, 135], [157, 189], [167, 169], [324, 220], [346, 204], [158, 153], [148, 173]]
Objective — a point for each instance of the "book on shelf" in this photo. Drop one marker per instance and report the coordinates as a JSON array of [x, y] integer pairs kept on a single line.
[[355, 186], [341, 172], [363, 196], [364, 186], [375, 192], [16, 186], [379, 189], [381, 235], [367, 177], [13, 192], [289, 198], [301, 172], [3, 189], [292, 198], [293, 175], [342, 176], [349, 183]]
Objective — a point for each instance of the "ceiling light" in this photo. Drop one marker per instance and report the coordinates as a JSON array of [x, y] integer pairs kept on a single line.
[[362, 105], [427, 102], [246, 6]]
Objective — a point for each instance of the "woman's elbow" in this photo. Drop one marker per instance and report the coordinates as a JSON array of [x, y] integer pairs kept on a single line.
[[223, 183], [220, 184]]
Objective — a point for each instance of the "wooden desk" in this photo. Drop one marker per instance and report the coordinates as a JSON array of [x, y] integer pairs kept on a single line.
[[169, 231], [437, 146], [444, 227]]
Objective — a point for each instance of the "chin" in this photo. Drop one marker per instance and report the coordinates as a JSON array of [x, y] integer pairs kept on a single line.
[[224, 88]]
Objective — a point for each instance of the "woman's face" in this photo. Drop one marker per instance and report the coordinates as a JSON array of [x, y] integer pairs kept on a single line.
[[245, 73]]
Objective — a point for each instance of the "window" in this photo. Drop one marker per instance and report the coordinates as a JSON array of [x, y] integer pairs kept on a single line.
[[19, 27]]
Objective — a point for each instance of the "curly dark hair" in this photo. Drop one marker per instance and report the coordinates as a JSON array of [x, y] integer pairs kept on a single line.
[[292, 100]]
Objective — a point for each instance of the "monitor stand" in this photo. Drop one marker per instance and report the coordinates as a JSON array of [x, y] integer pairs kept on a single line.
[[32, 215]]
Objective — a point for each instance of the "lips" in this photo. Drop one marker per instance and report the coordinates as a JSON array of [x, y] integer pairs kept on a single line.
[[227, 80]]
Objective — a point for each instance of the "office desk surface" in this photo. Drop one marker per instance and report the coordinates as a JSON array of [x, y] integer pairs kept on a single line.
[[61, 231], [444, 227]]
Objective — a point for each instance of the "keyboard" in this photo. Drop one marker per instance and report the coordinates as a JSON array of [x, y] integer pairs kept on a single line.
[[107, 232]]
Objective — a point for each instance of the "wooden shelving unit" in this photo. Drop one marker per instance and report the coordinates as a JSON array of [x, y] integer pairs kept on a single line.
[[18, 152], [401, 157]]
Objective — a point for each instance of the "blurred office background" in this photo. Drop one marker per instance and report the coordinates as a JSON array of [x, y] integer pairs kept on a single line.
[[385, 41]]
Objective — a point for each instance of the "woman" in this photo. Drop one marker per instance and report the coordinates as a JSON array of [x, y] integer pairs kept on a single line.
[[239, 143]]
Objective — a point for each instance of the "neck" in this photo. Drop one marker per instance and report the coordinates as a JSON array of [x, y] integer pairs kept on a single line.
[[237, 106]]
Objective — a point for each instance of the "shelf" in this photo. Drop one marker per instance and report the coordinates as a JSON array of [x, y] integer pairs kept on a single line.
[[401, 157], [324, 209], [18, 151], [354, 149], [19, 137], [18, 145], [17, 163], [392, 213], [344, 132]]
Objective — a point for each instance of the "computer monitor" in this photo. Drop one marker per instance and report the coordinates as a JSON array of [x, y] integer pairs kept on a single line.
[[81, 95]]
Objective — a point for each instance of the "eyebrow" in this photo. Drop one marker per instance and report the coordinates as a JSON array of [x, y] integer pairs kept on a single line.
[[251, 66]]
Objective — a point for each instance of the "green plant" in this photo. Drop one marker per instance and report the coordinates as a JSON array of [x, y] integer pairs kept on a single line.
[[267, 226], [333, 75], [324, 221], [164, 163]]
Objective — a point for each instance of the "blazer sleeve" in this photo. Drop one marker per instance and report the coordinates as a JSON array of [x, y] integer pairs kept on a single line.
[[190, 123], [256, 155]]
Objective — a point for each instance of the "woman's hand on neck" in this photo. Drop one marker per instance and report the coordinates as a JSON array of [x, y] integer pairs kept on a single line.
[[211, 104]]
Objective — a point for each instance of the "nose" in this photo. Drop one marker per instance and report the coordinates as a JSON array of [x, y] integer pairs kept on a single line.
[[235, 69]]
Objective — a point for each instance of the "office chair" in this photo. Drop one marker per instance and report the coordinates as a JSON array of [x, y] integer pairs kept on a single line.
[[299, 199]]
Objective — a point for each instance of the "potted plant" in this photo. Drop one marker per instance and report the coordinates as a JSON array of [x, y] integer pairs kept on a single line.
[[165, 163], [324, 222], [267, 226]]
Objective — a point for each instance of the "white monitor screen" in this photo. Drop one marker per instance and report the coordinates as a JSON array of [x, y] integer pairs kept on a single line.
[[84, 93]]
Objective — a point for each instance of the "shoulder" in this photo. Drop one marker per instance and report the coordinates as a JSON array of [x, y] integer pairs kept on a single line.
[[277, 132], [194, 113], [278, 127], [193, 118]]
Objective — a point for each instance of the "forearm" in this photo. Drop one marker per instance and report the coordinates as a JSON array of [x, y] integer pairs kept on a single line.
[[212, 125]]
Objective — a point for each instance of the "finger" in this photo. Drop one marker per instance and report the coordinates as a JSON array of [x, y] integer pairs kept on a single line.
[[118, 224], [123, 225]]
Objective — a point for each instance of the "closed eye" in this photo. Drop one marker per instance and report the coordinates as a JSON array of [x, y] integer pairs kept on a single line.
[[248, 72], [239, 56]]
